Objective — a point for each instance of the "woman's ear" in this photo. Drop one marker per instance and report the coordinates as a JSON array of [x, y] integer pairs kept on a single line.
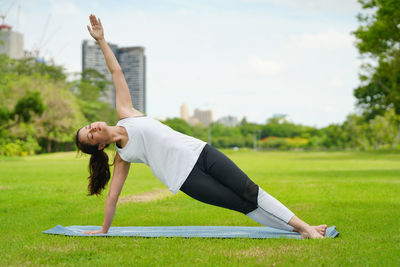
[[101, 146]]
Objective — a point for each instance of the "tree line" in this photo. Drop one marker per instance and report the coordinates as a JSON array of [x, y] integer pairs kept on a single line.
[[40, 110], [355, 133]]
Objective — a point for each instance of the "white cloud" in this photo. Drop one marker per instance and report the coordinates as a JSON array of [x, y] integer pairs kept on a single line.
[[335, 82], [330, 40], [63, 7], [330, 109], [263, 67], [337, 6]]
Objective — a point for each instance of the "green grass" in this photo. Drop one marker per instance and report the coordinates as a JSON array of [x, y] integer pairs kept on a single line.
[[357, 192]]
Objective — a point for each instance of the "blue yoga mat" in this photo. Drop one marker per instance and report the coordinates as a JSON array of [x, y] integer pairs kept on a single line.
[[185, 231]]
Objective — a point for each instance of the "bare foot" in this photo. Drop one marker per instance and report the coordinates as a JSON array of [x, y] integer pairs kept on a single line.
[[310, 232], [306, 230], [321, 229]]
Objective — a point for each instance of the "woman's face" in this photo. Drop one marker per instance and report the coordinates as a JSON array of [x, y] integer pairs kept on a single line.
[[94, 133]]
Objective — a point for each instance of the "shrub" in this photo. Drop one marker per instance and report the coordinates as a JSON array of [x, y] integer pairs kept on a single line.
[[284, 143], [19, 147]]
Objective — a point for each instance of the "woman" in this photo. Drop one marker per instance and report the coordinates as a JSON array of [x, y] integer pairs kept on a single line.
[[181, 162]]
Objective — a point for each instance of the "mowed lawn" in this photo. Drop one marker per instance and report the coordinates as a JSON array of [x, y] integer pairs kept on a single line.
[[357, 192]]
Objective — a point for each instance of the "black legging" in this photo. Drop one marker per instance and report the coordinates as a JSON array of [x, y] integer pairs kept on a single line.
[[216, 180]]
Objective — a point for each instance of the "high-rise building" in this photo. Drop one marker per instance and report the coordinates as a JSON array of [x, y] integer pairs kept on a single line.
[[11, 42], [204, 116], [185, 115], [230, 121], [133, 64]]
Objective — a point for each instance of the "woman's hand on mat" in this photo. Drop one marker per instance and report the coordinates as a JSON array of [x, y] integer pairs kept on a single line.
[[95, 232], [97, 29]]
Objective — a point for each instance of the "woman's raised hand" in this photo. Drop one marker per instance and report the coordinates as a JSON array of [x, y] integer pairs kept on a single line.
[[97, 29]]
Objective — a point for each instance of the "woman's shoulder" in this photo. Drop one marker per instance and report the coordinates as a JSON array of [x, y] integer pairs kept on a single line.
[[127, 112], [122, 120]]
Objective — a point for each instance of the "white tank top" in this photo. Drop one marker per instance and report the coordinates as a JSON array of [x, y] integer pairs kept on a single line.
[[170, 155]]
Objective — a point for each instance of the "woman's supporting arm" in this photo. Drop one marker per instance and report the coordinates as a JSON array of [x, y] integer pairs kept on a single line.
[[123, 98], [121, 170]]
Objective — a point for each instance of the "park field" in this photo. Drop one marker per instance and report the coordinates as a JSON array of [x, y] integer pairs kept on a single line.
[[358, 192]]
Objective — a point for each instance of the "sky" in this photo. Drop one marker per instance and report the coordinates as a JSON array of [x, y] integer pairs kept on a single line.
[[245, 58]]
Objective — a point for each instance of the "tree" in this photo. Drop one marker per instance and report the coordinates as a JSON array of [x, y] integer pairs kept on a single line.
[[286, 129], [89, 90], [355, 132], [16, 107], [92, 85], [27, 106], [248, 128], [378, 38], [62, 118], [332, 137], [179, 125], [56, 121], [384, 131], [32, 67], [38, 105]]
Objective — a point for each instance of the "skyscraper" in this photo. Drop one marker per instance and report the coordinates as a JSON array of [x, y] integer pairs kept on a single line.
[[11, 42], [204, 116], [133, 64], [185, 112]]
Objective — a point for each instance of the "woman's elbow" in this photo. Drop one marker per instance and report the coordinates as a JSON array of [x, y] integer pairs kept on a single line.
[[112, 198]]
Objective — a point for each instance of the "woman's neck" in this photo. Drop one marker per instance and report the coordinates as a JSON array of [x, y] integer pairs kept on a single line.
[[118, 135]]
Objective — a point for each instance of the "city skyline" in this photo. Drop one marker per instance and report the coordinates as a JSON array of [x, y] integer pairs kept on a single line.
[[245, 58]]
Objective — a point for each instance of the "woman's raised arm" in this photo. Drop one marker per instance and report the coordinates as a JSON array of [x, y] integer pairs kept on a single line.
[[123, 98]]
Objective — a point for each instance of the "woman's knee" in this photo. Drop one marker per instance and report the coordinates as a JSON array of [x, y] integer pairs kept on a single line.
[[251, 191]]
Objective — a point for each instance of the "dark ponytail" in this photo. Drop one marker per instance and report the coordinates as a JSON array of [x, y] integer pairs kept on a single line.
[[99, 169]]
